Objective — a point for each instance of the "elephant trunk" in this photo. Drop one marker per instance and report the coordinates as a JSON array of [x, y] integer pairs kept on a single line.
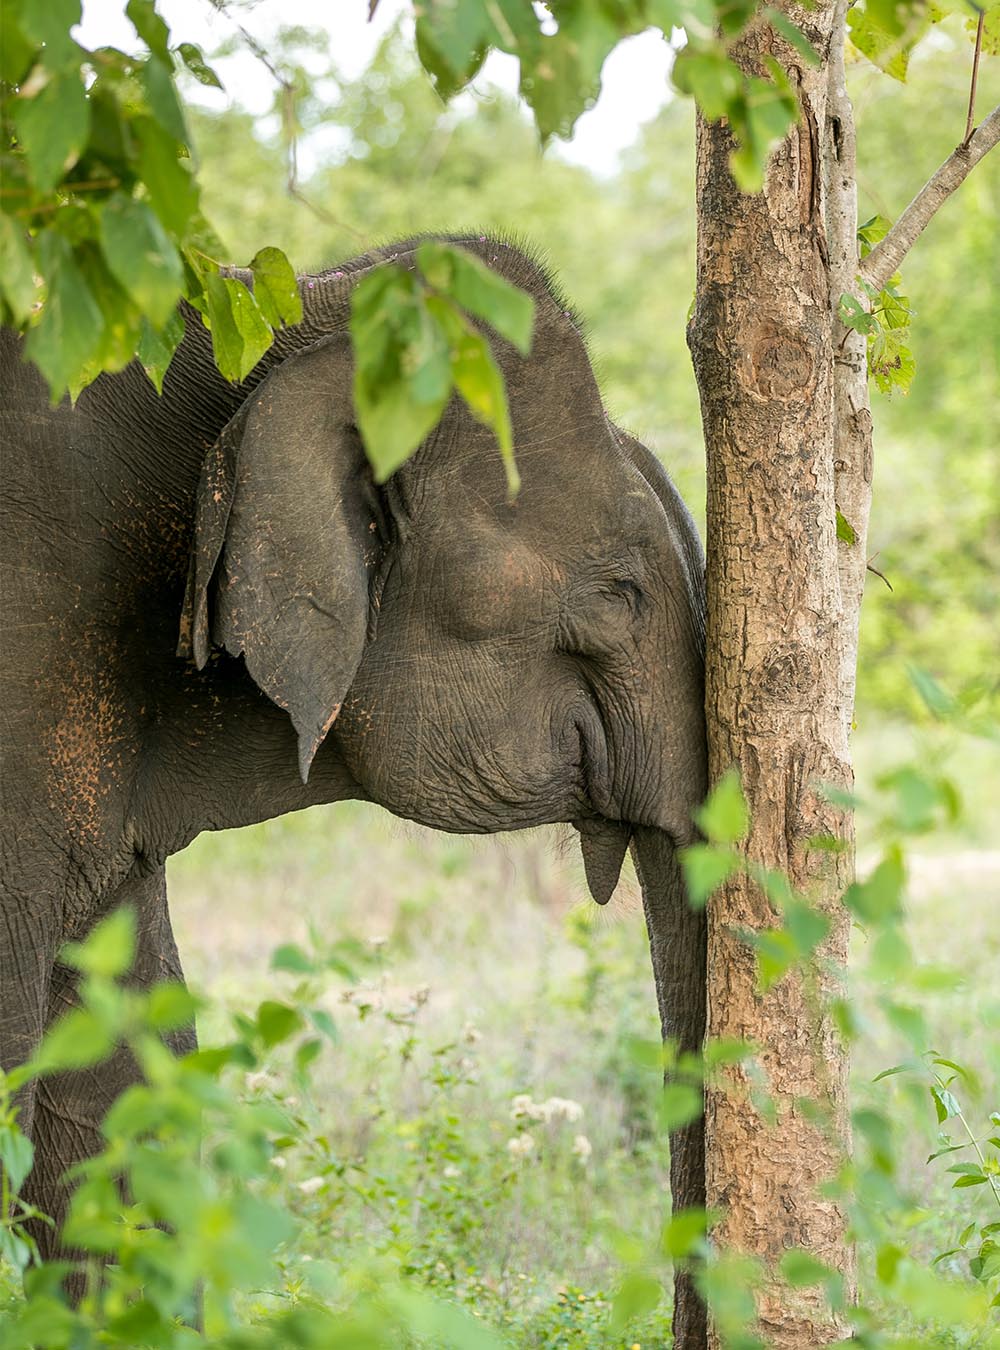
[[677, 940]]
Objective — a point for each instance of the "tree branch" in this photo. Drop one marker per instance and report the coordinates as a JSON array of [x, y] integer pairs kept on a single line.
[[886, 256]]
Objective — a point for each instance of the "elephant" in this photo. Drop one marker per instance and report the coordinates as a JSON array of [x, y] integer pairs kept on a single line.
[[214, 615]]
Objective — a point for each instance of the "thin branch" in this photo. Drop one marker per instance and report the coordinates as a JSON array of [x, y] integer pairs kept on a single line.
[[975, 74], [886, 256], [882, 575]]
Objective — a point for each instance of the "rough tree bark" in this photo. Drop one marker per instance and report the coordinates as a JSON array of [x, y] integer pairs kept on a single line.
[[788, 439], [788, 436]]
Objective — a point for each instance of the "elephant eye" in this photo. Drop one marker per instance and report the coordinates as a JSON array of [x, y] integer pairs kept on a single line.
[[625, 588]]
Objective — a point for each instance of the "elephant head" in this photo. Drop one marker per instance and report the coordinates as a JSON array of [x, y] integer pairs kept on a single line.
[[477, 664]]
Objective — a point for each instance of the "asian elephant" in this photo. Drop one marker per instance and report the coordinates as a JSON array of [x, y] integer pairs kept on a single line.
[[470, 663]]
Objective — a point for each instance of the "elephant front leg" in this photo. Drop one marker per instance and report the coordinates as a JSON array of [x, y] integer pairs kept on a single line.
[[70, 1107]]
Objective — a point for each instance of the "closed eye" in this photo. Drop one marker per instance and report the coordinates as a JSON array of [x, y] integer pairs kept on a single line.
[[625, 588]]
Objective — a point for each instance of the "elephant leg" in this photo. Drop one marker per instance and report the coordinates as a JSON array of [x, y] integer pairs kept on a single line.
[[29, 939], [70, 1106], [677, 941]]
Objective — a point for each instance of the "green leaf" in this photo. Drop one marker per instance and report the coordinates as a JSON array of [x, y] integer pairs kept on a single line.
[[845, 530], [78, 1039], [945, 1104], [991, 44], [879, 898], [679, 1104], [776, 955], [170, 1006], [963, 1182], [705, 869], [792, 34], [305, 1055], [478, 379], [683, 1233], [637, 1295], [760, 118], [936, 700], [156, 348], [887, 1260], [853, 314], [276, 1022], [707, 74], [324, 1023], [452, 41], [882, 43], [452, 70], [462, 277], [724, 818], [50, 25], [806, 925], [240, 336], [402, 371], [192, 57], [292, 958], [141, 256], [275, 288], [173, 191], [17, 50], [967, 1169], [874, 229], [69, 328], [17, 1154], [161, 96], [896, 1068], [909, 1022], [151, 28], [17, 271], [801, 1269], [52, 125], [109, 949]]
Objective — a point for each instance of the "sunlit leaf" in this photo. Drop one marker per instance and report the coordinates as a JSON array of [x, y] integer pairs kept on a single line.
[[53, 125], [275, 288], [724, 818], [141, 256]]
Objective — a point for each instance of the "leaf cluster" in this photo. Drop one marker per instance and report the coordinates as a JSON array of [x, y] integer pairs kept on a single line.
[[561, 49], [885, 321], [101, 227], [414, 344]]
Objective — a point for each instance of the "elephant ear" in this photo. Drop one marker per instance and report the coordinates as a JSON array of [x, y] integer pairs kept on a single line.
[[278, 570]]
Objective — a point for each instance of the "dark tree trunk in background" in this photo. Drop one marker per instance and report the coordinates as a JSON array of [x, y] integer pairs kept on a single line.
[[787, 432]]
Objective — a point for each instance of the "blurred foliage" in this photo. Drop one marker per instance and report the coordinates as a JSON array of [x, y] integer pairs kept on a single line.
[[400, 1152], [392, 161]]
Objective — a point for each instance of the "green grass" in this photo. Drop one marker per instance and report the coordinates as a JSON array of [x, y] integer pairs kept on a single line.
[[492, 975]]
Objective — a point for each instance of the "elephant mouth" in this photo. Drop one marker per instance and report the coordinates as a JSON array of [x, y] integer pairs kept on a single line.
[[603, 844]]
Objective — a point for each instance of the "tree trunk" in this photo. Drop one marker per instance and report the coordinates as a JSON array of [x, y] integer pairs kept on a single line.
[[787, 431]]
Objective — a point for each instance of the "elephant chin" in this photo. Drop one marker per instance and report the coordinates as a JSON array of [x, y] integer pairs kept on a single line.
[[603, 844]]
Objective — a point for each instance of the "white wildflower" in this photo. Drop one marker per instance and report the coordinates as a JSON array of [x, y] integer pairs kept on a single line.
[[279, 1161], [451, 1171], [311, 1185], [259, 1080], [582, 1148], [561, 1108], [521, 1107], [520, 1145], [471, 1033]]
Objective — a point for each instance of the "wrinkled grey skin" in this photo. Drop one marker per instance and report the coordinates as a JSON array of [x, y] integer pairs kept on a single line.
[[468, 663]]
